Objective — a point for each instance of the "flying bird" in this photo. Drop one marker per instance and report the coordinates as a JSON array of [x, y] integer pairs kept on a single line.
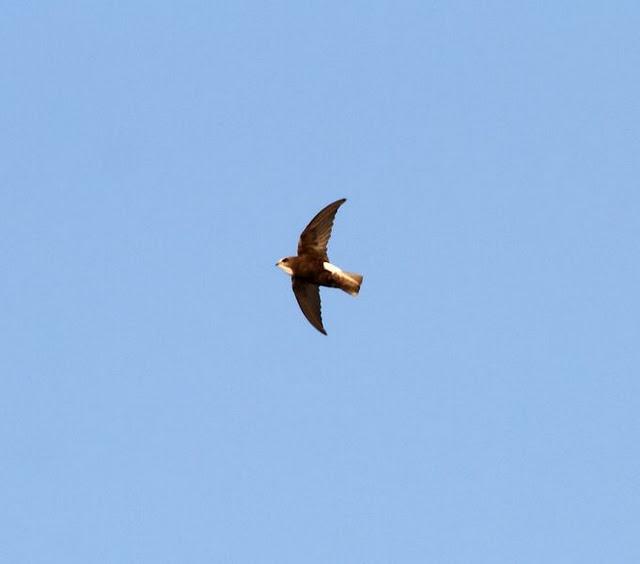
[[312, 269]]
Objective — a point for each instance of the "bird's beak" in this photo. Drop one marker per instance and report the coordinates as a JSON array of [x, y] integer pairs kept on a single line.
[[277, 263]]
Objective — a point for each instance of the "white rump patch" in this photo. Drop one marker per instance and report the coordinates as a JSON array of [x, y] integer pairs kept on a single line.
[[344, 277], [331, 268]]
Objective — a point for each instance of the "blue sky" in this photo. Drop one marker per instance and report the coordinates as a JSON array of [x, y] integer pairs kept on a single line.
[[163, 399]]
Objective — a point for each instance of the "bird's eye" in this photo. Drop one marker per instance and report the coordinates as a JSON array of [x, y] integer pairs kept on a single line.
[[285, 260]]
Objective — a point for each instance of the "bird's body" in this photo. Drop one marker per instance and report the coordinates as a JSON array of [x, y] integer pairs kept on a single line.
[[317, 271], [311, 268]]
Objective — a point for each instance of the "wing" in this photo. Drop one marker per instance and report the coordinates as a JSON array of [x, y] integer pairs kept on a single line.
[[308, 296], [315, 237]]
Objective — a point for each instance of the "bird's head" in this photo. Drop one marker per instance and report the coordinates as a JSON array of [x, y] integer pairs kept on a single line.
[[285, 264]]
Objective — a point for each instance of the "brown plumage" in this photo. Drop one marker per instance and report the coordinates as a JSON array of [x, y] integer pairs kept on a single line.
[[311, 268]]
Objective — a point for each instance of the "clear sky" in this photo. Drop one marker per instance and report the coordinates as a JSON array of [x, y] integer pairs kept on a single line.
[[162, 397]]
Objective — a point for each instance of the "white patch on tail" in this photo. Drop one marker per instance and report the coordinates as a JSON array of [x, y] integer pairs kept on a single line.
[[331, 268], [350, 280]]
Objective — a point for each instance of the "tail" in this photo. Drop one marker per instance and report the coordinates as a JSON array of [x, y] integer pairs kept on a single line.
[[350, 282]]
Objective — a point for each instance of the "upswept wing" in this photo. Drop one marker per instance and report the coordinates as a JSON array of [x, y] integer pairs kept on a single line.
[[315, 237], [308, 296]]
